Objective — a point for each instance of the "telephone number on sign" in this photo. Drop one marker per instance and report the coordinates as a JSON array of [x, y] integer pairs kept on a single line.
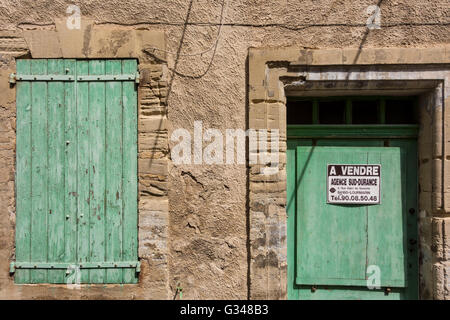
[[354, 198]]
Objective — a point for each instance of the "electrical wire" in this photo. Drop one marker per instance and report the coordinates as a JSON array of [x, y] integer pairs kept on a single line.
[[224, 5]]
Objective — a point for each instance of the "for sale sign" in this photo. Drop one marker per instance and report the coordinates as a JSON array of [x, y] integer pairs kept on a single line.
[[353, 183]]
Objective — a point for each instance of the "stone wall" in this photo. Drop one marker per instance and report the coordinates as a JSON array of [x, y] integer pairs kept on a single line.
[[197, 221]]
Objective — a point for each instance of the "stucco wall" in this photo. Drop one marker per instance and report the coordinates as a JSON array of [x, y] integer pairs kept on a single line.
[[208, 210]]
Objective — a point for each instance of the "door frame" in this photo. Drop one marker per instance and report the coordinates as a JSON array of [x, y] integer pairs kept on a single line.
[[298, 135]]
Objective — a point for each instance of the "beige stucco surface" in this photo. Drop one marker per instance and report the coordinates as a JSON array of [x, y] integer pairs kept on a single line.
[[208, 210]]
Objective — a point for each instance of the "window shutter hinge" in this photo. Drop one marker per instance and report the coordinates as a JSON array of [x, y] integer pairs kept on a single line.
[[137, 77], [138, 267], [12, 78], [12, 267]]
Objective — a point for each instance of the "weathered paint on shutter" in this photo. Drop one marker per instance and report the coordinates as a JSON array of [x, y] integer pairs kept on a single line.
[[409, 161], [76, 179], [336, 243]]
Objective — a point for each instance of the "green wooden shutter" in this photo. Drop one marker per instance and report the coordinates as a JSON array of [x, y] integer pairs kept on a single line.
[[336, 243], [76, 178]]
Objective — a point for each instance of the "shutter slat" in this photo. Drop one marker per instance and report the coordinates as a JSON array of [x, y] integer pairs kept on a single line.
[[70, 167], [129, 156], [56, 164], [39, 154], [113, 169], [97, 169], [83, 248], [23, 176]]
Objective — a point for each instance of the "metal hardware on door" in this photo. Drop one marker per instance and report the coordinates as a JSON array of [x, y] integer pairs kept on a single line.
[[412, 210], [387, 291], [313, 289]]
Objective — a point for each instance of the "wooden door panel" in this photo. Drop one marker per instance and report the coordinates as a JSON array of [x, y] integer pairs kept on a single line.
[[331, 238], [336, 243]]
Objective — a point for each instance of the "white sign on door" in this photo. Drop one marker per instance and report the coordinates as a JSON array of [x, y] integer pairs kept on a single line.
[[353, 183]]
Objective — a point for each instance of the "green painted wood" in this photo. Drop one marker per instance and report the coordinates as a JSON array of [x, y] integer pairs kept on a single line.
[[291, 211], [129, 184], [386, 221], [39, 175], [83, 180], [352, 131], [108, 77], [45, 77], [76, 183], [347, 293], [328, 250], [23, 175], [408, 156], [70, 167], [113, 170], [84, 265], [56, 174], [97, 172]]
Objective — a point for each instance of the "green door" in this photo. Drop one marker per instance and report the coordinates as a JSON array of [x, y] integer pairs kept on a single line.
[[351, 250], [76, 179], [334, 250]]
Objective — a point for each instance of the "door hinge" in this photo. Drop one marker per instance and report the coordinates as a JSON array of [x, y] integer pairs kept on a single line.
[[82, 265], [12, 78], [137, 79], [107, 77], [42, 77]]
